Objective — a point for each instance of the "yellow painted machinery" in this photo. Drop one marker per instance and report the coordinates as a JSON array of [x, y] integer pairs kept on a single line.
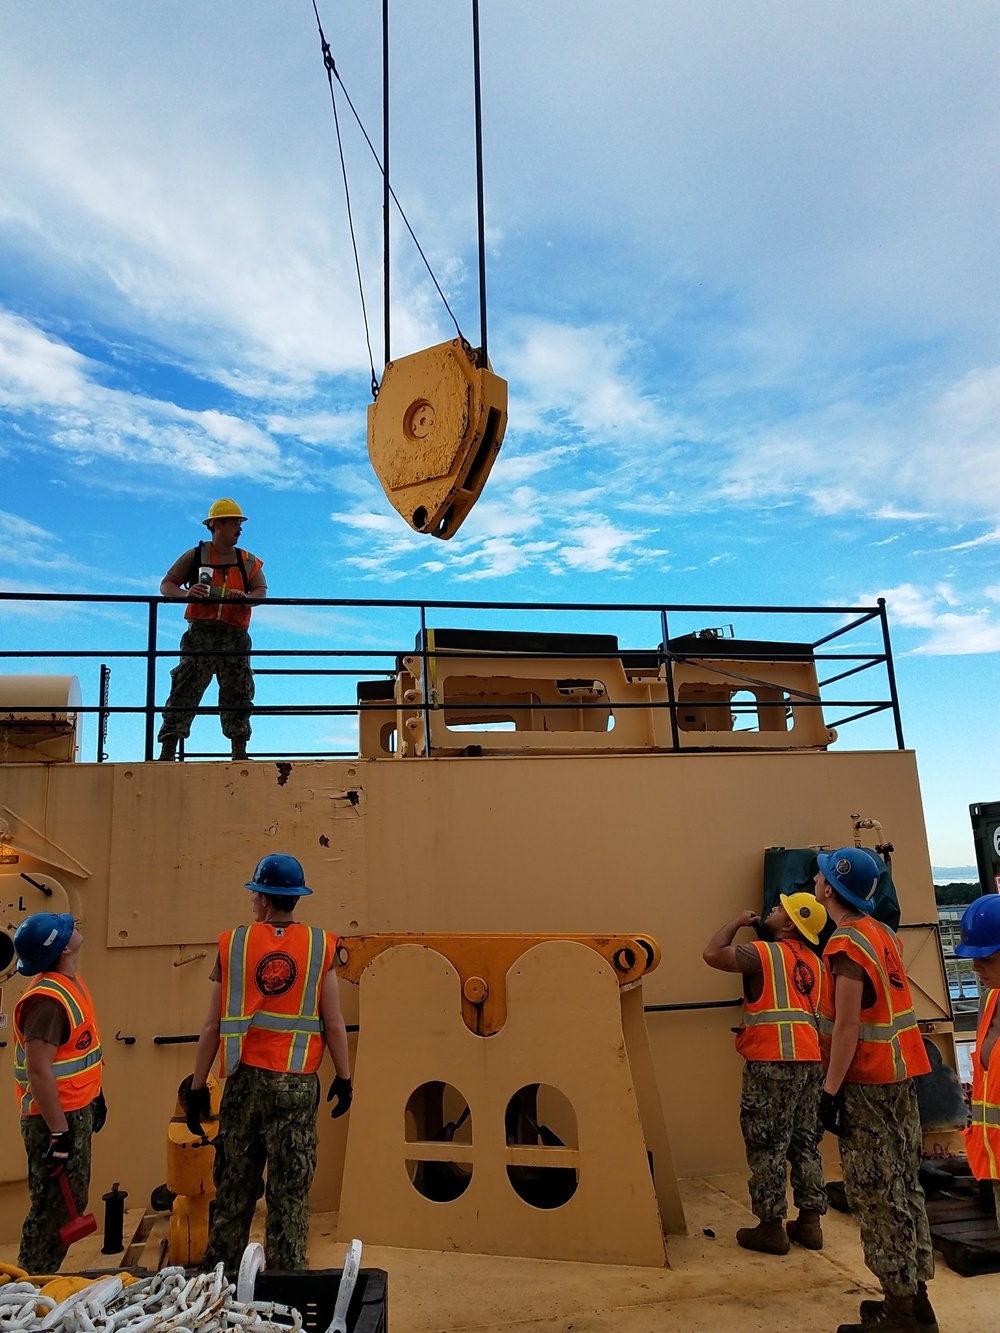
[[434, 432], [190, 1160]]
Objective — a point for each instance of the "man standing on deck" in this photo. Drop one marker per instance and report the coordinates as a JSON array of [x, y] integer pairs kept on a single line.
[[872, 1050], [274, 1009], [222, 580], [57, 1072], [782, 1077]]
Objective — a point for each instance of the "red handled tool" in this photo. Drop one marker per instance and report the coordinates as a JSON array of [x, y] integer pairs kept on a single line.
[[77, 1227]]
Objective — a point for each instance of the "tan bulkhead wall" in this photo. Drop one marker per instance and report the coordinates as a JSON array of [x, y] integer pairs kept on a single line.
[[153, 857]]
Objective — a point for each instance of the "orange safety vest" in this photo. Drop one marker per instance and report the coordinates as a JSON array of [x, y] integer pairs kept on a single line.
[[781, 1025], [77, 1066], [235, 577], [982, 1138], [890, 1047], [272, 976]]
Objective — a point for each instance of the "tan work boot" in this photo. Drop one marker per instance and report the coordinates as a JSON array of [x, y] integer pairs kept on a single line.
[[895, 1314], [168, 748], [922, 1309], [766, 1237], [806, 1230]]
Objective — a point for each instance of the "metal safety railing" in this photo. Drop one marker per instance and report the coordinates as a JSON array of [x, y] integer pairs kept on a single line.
[[342, 664]]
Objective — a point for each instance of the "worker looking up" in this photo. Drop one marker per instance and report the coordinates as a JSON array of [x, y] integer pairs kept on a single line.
[[274, 1008], [872, 1051], [57, 1072], [221, 579], [782, 1077], [981, 942]]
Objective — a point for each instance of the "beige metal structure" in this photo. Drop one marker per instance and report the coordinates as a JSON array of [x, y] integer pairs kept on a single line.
[[152, 858], [564, 1029], [599, 700], [38, 719], [434, 433]]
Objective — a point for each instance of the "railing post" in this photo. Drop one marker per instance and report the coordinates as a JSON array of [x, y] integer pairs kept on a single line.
[[426, 675], [668, 663], [102, 716], [150, 710], [890, 671]]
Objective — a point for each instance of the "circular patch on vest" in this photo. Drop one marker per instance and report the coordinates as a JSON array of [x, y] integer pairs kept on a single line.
[[892, 971], [802, 978], [275, 973], [84, 1040]]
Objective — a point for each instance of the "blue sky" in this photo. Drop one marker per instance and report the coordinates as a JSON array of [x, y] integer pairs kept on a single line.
[[742, 284]]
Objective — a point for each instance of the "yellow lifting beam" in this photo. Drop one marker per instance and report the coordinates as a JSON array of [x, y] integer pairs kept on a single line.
[[434, 432], [482, 963]]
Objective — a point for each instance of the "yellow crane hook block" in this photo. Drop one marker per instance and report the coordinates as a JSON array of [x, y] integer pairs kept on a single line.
[[434, 432]]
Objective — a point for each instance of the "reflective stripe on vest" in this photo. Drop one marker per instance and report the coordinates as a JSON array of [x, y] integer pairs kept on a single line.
[[70, 1065], [887, 1051], [234, 577], [238, 1017], [982, 1138], [786, 1028]]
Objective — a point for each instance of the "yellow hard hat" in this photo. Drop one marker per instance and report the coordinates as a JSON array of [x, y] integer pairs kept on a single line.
[[807, 915], [223, 509]]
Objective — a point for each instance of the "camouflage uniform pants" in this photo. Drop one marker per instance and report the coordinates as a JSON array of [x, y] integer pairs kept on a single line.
[[779, 1119], [265, 1117], [880, 1149], [226, 656], [41, 1249]]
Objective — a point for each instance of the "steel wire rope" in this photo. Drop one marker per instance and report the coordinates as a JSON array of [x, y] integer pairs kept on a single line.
[[331, 69], [333, 73]]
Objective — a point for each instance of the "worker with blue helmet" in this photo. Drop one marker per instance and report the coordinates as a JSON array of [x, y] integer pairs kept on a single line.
[[274, 1012], [873, 1050], [980, 931], [58, 1075]]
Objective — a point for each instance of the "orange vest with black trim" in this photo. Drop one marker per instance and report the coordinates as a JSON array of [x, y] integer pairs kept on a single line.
[[78, 1061], [982, 1138], [272, 978], [225, 578], [781, 1024], [890, 1047]]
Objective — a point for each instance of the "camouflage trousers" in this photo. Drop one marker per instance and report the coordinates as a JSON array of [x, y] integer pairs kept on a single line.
[[779, 1119], [880, 1148], [265, 1118], [41, 1249], [226, 656]]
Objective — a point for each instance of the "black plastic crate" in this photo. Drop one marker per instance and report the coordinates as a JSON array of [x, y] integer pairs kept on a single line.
[[314, 1294]]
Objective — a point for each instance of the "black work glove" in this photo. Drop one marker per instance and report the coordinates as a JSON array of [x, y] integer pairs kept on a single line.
[[57, 1154], [196, 1104], [100, 1112], [342, 1089], [831, 1107]]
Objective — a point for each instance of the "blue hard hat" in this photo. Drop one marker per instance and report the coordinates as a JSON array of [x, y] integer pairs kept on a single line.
[[980, 928], [279, 874], [854, 873], [40, 939]]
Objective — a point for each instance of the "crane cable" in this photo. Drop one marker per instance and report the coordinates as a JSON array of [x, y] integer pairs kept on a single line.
[[333, 73]]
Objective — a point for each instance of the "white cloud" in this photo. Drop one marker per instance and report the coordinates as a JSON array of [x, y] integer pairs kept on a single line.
[[952, 633], [576, 375], [47, 384]]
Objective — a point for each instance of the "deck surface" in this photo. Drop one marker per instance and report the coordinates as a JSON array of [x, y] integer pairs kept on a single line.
[[712, 1284]]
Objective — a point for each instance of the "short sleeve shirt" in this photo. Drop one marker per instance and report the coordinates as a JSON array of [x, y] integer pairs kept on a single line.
[[45, 1019], [749, 964], [842, 966]]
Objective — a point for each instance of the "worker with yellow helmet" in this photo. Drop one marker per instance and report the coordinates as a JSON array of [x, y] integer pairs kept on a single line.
[[783, 1075], [220, 580]]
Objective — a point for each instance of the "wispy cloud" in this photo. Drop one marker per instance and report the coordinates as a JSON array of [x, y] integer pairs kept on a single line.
[[55, 392], [951, 633]]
